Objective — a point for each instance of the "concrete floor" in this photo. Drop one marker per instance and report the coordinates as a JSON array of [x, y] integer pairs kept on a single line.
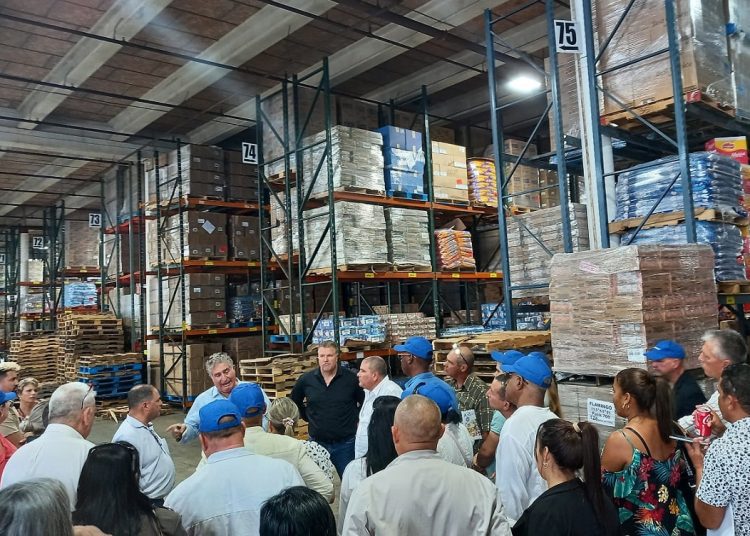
[[186, 457]]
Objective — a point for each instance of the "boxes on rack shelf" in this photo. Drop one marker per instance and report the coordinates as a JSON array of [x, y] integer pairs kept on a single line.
[[482, 182], [449, 173], [280, 224], [454, 249], [566, 76], [244, 238], [193, 170], [369, 328], [205, 301], [195, 356], [360, 235], [704, 55], [609, 306], [408, 238], [401, 326], [240, 348], [524, 178], [404, 160], [204, 237], [734, 147], [242, 179], [81, 244]]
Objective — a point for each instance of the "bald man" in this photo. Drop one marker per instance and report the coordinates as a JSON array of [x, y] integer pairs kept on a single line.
[[419, 493]]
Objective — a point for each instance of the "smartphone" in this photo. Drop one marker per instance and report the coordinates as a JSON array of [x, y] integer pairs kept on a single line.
[[684, 439]]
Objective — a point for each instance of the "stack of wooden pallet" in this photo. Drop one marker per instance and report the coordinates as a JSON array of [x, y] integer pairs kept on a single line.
[[81, 334], [276, 375], [483, 343], [36, 352]]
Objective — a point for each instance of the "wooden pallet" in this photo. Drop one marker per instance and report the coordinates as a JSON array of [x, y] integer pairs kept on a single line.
[[351, 189], [411, 268], [660, 111], [496, 340], [733, 287], [675, 218], [372, 267], [449, 201], [517, 210]]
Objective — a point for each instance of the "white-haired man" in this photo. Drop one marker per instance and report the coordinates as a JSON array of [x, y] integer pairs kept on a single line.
[[221, 369], [62, 449]]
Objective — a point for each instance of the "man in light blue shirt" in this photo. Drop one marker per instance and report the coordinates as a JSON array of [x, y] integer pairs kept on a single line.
[[225, 495], [221, 369], [416, 359]]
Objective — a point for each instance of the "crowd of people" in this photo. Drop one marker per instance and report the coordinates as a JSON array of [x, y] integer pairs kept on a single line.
[[431, 457]]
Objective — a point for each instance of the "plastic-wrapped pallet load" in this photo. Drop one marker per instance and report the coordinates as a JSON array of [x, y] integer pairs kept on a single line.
[[608, 306], [357, 159], [587, 401], [280, 224], [482, 182], [81, 244], [739, 55], [368, 328], [404, 160], [493, 316], [408, 238], [704, 56], [35, 269], [360, 235], [401, 326], [454, 249], [725, 239], [79, 294], [716, 182], [194, 170]]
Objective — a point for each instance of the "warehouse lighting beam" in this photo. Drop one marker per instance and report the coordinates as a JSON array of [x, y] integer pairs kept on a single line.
[[524, 84]]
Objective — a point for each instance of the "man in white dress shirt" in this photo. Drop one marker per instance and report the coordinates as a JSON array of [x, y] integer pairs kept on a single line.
[[157, 467], [419, 493], [225, 495], [221, 369], [373, 378], [62, 449]]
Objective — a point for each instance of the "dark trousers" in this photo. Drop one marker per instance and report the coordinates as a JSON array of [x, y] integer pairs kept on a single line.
[[342, 452]]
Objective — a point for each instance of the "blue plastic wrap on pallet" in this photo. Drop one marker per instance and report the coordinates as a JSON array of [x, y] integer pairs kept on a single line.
[[404, 160], [403, 181], [724, 238], [362, 328], [493, 316], [77, 294], [715, 179]]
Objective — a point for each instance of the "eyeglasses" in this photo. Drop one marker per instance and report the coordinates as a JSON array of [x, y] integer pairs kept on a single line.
[[457, 349], [83, 400]]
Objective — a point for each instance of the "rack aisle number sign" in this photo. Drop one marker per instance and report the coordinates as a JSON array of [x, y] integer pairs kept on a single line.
[[95, 219], [249, 153], [37, 242], [567, 37]]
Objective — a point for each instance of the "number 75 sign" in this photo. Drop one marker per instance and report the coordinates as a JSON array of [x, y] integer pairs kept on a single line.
[[567, 37]]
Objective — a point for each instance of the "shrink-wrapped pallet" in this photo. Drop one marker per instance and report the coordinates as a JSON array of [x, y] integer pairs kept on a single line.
[[482, 182], [609, 306], [454, 249], [408, 238]]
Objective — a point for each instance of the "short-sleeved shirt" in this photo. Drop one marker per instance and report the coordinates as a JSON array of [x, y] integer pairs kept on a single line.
[[473, 395], [11, 424], [726, 474], [498, 420]]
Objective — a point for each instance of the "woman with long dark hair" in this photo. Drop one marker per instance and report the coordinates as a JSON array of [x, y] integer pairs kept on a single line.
[[109, 496], [297, 511], [570, 506], [380, 451], [643, 471]]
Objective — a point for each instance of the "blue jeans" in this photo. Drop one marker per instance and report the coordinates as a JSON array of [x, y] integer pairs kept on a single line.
[[342, 452]]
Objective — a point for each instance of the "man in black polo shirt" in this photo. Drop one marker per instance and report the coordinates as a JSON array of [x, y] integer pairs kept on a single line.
[[329, 399], [666, 359]]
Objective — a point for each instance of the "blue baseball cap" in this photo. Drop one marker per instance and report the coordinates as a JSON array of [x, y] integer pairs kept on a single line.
[[665, 349], [213, 412], [435, 392], [248, 397], [416, 346], [6, 397], [533, 368], [506, 358]]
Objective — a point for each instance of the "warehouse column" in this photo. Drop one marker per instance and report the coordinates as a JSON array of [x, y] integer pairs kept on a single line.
[[23, 276]]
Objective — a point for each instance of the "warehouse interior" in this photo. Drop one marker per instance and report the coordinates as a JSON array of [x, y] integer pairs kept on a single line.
[[105, 105]]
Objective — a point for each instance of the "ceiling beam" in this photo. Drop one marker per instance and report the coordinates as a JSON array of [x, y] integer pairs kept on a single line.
[[65, 144], [123, 20], [363, 55]]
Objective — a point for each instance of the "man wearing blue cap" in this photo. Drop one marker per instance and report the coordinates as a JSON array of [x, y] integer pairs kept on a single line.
[[416, 357], [225, 496], [666, 358], [518, 481]]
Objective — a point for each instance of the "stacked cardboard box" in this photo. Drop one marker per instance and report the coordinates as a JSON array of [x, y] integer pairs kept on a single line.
[[35, 268], [356, 113], [240, 348], [566, 76], [454, 249], [242, 179], [404, 160], [524, 179], [449, 173], [199, 169], [609, 306], [529, 262], [357, 160], [198, 380], [205, 301], [369, 328], [128, 250], [582, 400], [81, 244], [482, 182], [280, 224], [401, 326], [408, 237], [704, 55], [360, 235], [244, 241], [204, 236], [550, 196]]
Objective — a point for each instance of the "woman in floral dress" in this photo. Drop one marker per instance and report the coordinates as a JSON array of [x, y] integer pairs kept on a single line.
[[642, 470]]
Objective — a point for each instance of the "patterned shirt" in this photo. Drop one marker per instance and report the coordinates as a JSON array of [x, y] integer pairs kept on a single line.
[[726, 474], [473, 395]]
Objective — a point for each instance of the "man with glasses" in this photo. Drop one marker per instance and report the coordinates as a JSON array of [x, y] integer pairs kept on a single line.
[[723, 476], [157, 468], [471, 392], [61, 450], [416, 358], [518, 481]]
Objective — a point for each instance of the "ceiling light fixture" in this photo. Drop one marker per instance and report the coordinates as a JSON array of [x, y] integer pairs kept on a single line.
[[524, 84]]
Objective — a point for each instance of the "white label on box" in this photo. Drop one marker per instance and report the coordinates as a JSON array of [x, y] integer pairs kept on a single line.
[[636, 355], [209, 227], [197, 290], [246, 224], [600, 412]]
